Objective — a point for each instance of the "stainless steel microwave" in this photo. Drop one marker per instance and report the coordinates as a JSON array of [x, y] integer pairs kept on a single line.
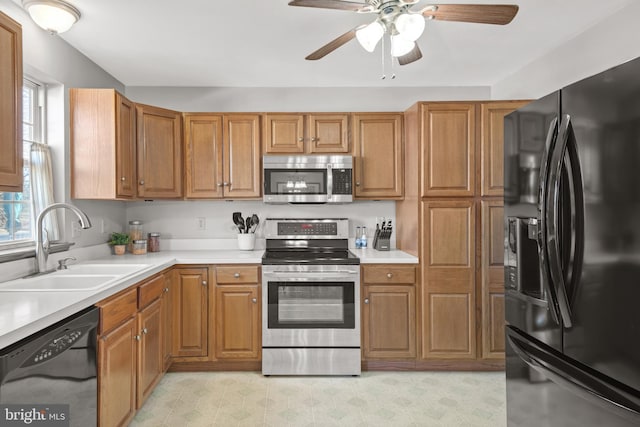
[[308, 179]]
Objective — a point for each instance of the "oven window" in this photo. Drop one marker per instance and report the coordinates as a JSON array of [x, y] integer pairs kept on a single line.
[[311, 305], [295, 181]]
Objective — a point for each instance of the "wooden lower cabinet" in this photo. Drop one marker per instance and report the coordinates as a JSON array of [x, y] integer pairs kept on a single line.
[[388, 312], [117, 357], [237, 313], [150, 357], [190, 312]]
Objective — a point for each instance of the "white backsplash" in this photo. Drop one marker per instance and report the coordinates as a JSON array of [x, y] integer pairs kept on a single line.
[[180, 219]]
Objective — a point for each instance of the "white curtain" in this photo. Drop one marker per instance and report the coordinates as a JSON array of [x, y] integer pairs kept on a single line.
[[42, 188]]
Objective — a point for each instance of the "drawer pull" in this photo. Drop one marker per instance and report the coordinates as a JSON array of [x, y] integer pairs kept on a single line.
[[236, 275], [389, 275]]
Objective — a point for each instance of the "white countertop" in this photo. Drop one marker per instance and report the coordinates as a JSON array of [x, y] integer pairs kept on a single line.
[[24, 313]]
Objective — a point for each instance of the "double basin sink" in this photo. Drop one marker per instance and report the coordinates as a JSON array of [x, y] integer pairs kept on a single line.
[[81, 277]]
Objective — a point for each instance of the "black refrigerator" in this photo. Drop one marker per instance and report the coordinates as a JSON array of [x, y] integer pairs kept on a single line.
[[572, 254]]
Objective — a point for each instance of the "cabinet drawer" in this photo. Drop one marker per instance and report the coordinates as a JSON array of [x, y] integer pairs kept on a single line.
[[117, 310], [240, 274], [150, 290], [389, 274]]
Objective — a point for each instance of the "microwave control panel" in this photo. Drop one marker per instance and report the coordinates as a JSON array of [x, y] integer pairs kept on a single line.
[[341, 181]]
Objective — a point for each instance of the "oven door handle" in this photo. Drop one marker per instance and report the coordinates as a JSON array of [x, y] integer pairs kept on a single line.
[[319, 273]]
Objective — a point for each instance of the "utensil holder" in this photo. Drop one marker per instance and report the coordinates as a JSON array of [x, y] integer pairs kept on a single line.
[[382, 240], [246, 242]]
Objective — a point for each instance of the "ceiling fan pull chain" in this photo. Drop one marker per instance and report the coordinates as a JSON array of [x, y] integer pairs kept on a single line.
[[391, 61], [382, 56]]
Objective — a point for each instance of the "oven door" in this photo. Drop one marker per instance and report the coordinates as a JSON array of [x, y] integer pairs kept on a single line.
[[315, 307]]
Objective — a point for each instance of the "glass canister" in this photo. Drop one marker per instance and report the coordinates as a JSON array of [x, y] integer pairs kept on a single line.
[[139, 247], [135, 233], [153, 242]]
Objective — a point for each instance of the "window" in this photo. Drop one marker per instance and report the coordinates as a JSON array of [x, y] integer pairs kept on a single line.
[[16, 219]]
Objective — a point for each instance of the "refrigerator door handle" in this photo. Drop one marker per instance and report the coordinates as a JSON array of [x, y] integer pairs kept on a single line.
[[542, 220], [552, 221], [606, 393]]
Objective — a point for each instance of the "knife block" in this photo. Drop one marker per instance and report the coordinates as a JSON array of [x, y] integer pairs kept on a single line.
[[381, 240]]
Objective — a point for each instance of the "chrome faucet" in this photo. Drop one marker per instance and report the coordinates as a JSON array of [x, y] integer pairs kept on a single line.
[[42, 252]]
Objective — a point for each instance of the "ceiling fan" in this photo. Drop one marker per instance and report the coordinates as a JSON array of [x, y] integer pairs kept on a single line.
[[404, 25]]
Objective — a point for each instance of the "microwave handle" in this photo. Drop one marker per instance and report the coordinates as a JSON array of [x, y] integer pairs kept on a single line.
[[329, 182]]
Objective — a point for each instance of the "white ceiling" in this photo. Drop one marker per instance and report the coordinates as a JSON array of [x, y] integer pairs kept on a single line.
[[262, 43]]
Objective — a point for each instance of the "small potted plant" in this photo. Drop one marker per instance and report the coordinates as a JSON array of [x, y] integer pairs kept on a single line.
[[119, 242]]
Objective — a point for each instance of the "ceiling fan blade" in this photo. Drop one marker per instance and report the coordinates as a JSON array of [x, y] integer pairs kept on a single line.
[[498, 14], [333, 45], [333, 4], [410, 57]]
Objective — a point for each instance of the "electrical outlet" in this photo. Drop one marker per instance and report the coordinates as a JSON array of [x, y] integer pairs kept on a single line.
[[102, 225], [75, 229], [201, 223]]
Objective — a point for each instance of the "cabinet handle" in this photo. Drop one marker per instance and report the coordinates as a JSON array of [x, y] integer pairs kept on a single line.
[[124, 178], [204, 283], [142, 182], [220, 184], [389, 275], [225, 184], [314, 139], [236, 275], [145, 331], [137, 337], [366, 300], [300, 139], [254, 300], [357, 183], [166, 290]]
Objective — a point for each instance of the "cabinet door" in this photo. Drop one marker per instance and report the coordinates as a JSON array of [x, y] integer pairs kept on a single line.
[[203, 156], [388, 322], [125, 148], [449, 144], [190, 312], [448, 306], [150, 361], [328, 133], [159, 152], [10, 104], [378, 156], [238, 327], [492, 146], [283, 133], [167, 321], [492, 306], [117, 353], [241, 166]]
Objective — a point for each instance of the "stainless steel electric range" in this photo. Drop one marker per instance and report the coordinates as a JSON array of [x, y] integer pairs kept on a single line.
[[310, 299]]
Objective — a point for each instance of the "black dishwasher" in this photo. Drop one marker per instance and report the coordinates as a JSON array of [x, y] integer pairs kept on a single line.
[[55, 366]]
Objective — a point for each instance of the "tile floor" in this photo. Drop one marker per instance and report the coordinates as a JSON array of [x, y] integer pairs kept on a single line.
[[451, 399]]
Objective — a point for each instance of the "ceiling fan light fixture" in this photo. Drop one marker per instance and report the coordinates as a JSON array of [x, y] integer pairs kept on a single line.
[[401, 46], [370, 35], [54, 16], [410, 25]]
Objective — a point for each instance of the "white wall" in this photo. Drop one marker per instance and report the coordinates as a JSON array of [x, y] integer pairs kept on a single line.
[[608, 43], [235, 99], [179, 220]]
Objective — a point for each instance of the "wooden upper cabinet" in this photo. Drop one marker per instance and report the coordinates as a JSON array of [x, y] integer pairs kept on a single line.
[[10, 104], [378, 156], [203, 156], [492, 219], [328, 133], [103, 145], [159, 145], [283, 133], [222, 156], [241, 154], [449, 145], [316, 133], [492, 145]]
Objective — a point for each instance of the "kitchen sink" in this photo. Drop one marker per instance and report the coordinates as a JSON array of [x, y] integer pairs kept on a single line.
[[58, 283], [115, 269]]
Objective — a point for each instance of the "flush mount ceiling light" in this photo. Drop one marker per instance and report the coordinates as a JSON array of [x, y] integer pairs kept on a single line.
[[54, 16], [404, 25]]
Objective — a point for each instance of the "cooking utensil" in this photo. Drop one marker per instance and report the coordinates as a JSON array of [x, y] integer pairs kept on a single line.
[[254, 222], [238, 221], [247, 225]]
